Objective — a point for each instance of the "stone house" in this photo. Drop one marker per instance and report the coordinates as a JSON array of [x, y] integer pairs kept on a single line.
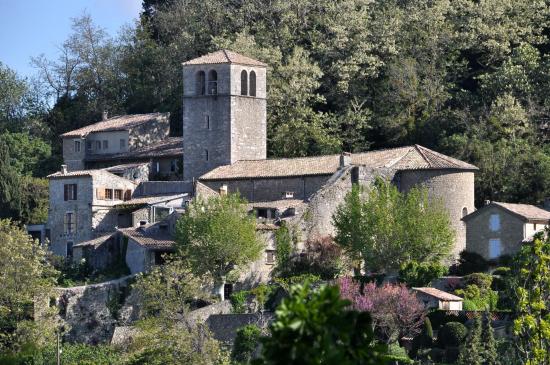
[[437, 299], [81, 207], [128, 139], [498, 229]]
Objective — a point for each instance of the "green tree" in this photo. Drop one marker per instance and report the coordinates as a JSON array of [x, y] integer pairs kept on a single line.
[[29, 155], [217, 236], [386, 228], [471, 351], [490, 354], [25, 277], [246, 342], [418, 275], [316, 327], [532, 288]]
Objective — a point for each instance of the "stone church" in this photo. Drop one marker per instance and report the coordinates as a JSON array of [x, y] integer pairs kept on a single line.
[[224, 151]]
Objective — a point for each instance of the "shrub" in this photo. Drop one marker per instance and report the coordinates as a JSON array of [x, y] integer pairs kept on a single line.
[[238, 301], [286, 283], [451, 335], [262, 293], [425, 339], [468, 263], [245, 344], [398, 354], [481, 280], [420, 274]]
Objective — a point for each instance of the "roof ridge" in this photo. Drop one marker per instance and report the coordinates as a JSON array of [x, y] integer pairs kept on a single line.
[[423, 150]]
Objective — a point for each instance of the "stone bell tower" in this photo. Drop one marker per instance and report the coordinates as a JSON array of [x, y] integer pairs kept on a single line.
[[224, 111]]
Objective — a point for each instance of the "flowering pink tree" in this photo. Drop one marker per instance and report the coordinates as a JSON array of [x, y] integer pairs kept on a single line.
[[395, 311]]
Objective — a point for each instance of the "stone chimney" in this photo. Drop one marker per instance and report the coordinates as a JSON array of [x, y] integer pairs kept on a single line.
[[105, 115], [345, 159], [64, 169], [223, 190]]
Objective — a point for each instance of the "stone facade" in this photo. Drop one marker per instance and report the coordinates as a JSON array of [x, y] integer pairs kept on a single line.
[[92, 214], [510, 231], [222, 126]]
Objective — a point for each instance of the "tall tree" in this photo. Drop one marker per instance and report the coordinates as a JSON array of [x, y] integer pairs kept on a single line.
[[471, 351], [217, 236]]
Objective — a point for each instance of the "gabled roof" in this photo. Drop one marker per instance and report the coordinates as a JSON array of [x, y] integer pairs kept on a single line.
[[168, 147], [439, 294], [149, 237], [402, 158], [95, 242], [94, 174], [118, 123], [152, 199], [525, 212], [224, 56]]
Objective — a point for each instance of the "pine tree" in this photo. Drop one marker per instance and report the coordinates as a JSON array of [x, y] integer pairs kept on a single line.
[[490, 356], [471, 350]]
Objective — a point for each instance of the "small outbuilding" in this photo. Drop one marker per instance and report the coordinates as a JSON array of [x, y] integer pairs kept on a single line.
[[438, 299]]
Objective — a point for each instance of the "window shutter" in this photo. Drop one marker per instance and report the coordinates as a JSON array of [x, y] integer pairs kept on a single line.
[[65, 223], [65, 192], [75, 191]]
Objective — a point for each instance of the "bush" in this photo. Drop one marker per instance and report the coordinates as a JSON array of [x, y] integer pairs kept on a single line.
[[262, 293], [286, 283], [481, 280], [245, 344], [476, 298], [238, 301], [416, 274], [80, 354], [468, 263], [451, 335], [398, 354], [425, 339]]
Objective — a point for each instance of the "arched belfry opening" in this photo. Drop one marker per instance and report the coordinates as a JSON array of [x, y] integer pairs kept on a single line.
[[201, 83], [212, 82], [252, 83], [244, 82]]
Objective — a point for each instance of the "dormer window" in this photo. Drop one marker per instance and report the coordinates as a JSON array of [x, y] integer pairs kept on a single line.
[[213, 82], [252, 84], [201, 83], [244, 83]]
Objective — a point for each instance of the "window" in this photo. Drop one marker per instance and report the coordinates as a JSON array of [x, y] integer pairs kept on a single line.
[[244, 83], [207, 121], [213, 82], [118, 194], [109, 194], [200, 83], [494, 223], [252, 84], [70, 223], [69, 192], [69, 250], [89, 145], [77, 146], [206, 155], [105, 145], [464, 212], [288, 195], [122, 143], [128, 195], [270, 257], [174, 165], [97, 145], [495, 248]]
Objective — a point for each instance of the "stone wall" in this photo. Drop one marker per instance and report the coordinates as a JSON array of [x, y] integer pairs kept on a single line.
[[155, 130], [138, 258], [224, 326], [163, 187], [454, 187], [113, 142], [258, 190], [74, 159]]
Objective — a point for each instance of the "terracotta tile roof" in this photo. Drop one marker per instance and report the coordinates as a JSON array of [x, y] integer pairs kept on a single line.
[[96, 241], [224, 56], [118, 123], [150, 200], [169, 147], [124, 167], [402, 158], [527, 211], [439, 294], [149, 237], [87, 173]]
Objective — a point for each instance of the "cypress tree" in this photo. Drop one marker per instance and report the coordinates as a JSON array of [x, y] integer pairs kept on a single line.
[[490, 356], [471, 351]]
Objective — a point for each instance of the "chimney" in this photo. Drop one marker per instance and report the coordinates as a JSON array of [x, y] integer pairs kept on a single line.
[[345, 159], [223, 190], [105, 115], [487, 202], [64, 169], [546, 204]]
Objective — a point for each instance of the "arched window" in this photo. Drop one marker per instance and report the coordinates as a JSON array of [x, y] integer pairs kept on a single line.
[[244, 83], [201, 83], [212, 82], [464, 212], [252, 83]]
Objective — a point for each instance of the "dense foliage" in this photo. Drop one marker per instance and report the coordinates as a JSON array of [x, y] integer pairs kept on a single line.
[[416, 274], [315, 326], [386, 228]]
